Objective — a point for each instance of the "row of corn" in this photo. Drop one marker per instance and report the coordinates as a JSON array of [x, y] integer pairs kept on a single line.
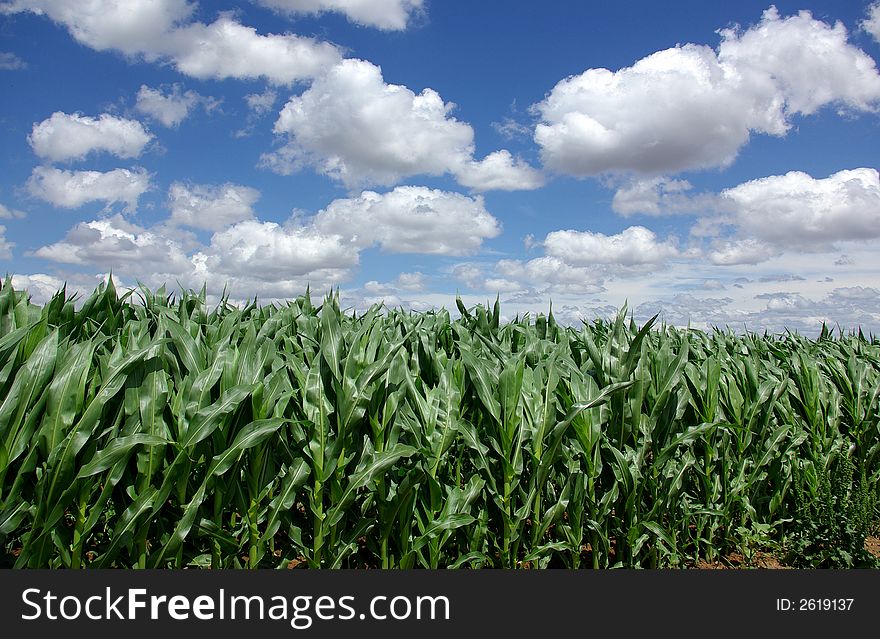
[[152, 430]]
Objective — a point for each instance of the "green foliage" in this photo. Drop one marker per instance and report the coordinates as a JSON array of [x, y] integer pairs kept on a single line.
[[151, 430], [835, 512]]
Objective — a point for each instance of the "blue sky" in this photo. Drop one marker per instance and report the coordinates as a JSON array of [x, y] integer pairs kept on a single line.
[[715, 162]]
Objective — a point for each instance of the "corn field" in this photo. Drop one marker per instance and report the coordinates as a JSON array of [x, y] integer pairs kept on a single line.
[[147, 430]]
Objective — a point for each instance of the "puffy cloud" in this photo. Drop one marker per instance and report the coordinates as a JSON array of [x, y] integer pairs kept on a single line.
[[411, 219], [11, 62], [633, 246], [389, 15], [798, 211], [115, 244], [161, 30], [411, 281], [5, 245], [355, 128], [251, 257], [8, 213], [40, 286], [212, 207], [65, 136], [171, 107], [692, 107], [871, 24], [499, 171], [132, 27], [549, 273], [72, 189], [269, 252], [659, 196], [352, 126], [228, 49], [747, 251]]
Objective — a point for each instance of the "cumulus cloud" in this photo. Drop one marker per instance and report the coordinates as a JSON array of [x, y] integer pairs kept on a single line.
[[132, 27], [871, 24], [40, 286], [113, 243], [212, 207], [162, 30], [798, 211], [499, 171], [355, 128], [5, 245], [11, 62], [548, 273], [270, 252], [8, 213], [411, 281], [633, 246], [746, 251], [388, 15], [660, 196], [352, 126], [411, 219], [170, 106], [271, 259], [692, 107], [229, 49], [65, 136], [251, 257], [72, 189]]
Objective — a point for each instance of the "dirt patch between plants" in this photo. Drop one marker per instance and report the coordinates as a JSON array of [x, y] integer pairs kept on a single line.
[[736, 560], [766, 560], [872, 545]]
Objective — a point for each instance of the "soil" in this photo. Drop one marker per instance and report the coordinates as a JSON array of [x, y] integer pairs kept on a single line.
[[872, 545], [736, 560], [766, 560]]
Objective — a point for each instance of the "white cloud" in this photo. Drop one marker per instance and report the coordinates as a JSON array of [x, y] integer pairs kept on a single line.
[[252, 257], [633, 246], [212, 207], [40, 286], [271, 253], [411, 281], [549, 273], [5, 245], [692, 107], [228, 49], [275, 260], [510, 129], [115, 244], [411, 219], [11, 62], [8, 213], [352, 126], [171, 107], [65, 136], [659, 196], [355, 128], [747, 251], [132, 27], [72, 189], [499, 171], [798, 211], [261, 103], [160, 30], [871, 24], [389, 15]]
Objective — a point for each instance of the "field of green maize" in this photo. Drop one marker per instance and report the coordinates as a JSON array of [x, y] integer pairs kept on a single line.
[[153, 430]]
